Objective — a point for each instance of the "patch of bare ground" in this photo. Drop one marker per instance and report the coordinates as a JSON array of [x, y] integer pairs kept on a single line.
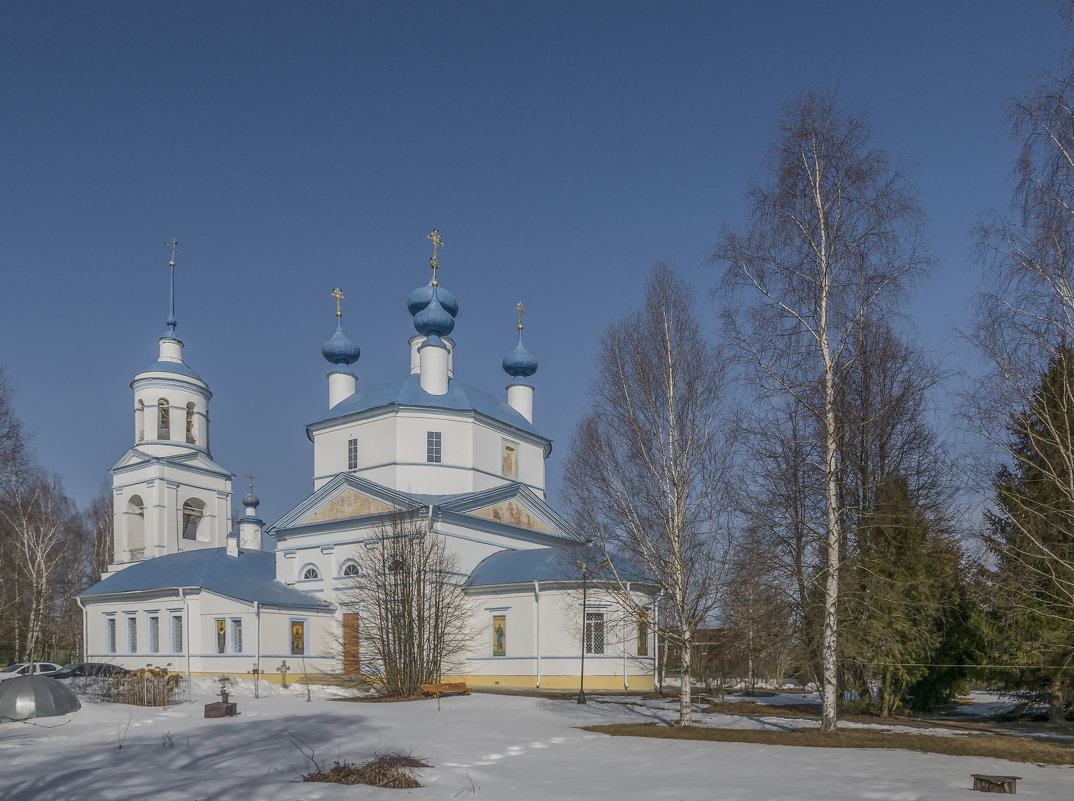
[[933, 721], [394, 771], [997, 746]]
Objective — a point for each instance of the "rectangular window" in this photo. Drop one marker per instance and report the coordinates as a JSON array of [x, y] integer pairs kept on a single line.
[[236, 635], [221, 636], [177, 634], [110, 634], [509, 462], [643, 633], [298, 637], [499, 635], [433, 444], [154, 635], [594, 632], [132, 635], [352, 454]]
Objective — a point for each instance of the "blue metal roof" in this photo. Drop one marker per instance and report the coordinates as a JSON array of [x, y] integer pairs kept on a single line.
[[170, 367], [408, 392], [251, 576], [535, 564]]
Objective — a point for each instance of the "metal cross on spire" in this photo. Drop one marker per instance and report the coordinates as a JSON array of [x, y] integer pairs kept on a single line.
[[337, 293], [434, 237], [521, 310], [173, 245], [251, 476]]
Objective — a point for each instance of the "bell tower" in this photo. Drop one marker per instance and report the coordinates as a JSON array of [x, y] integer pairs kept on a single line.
[[168, 493]]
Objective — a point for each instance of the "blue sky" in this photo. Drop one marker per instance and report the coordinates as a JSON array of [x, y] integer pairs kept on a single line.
[[560, 148]]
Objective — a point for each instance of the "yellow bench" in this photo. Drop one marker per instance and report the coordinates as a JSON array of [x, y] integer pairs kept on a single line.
[[444, 687]]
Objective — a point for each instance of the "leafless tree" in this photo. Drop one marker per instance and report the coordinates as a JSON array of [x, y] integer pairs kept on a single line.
[[100, 525], [39, 518], [1023, 408], [648, 472], [835, 235], [414, 617]]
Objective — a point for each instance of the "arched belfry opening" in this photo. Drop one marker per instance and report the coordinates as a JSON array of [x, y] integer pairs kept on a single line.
[[193, 520], [136, 528], [164, 424], [191, 431]]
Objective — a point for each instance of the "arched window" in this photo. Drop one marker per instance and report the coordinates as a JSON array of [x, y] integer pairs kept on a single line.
[[193, 513], [139, 420], [351, 569], [191, 437], [136, 528], [310, 573], [164, 426]]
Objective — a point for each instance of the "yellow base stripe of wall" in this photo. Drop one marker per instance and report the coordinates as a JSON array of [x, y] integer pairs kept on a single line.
[[640, 683]]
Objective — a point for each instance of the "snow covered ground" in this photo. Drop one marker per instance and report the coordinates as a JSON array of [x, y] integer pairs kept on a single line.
[[481, 746]]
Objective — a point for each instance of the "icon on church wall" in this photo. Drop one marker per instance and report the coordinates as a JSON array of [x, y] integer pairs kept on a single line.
[[510, 461], [221, 636], [298, 638], [499, 635]]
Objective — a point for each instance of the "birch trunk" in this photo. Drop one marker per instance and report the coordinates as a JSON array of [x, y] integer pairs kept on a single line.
[[686, 717]]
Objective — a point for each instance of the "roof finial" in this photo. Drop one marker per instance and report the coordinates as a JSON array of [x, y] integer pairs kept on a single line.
[[173, 245], [337, 293], [521, 311], [434, 237], [251, 476]]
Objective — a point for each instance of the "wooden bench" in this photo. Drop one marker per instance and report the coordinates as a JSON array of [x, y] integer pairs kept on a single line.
[[995, 784], [445, 687]]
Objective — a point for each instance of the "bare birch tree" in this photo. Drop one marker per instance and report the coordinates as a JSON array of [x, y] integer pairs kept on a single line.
[[835, 235], [647, 476], [38, 516], [414, 616], [1024, 407]]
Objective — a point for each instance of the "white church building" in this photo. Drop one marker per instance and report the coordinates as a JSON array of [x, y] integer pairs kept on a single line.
[[190, 586]]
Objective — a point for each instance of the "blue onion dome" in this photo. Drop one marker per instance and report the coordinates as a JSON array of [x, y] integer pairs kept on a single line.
[[340, 349], [434, 318], [520, 363], [251, 500], [420, 297]]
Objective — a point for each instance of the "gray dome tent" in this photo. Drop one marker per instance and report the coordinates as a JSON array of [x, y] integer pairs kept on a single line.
[[35, 697]]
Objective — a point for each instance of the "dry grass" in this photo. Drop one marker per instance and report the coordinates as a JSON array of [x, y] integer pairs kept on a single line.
[[1015, 749], [394, 771]]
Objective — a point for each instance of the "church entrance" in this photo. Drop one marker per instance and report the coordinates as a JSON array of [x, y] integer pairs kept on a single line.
[[350, 643]]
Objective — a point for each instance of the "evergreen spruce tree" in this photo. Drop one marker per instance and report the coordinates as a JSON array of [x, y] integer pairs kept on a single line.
[[1031, 536]]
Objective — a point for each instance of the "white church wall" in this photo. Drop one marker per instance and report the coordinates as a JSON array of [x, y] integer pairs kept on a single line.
[[376, 450], [248, 634], [544, 642]]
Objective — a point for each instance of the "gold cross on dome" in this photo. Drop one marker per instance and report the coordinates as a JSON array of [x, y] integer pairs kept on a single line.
[[251, 476], [337, 293], [521, 311], [434, 237], [173, 245]]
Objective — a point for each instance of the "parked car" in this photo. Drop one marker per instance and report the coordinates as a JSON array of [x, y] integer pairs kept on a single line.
[[23, 669], [89, 669]]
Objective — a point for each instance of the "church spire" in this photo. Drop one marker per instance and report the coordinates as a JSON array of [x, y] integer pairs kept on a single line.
[[171, 322]]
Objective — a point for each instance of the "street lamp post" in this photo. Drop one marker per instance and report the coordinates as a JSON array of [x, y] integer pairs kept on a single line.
[[585, 570]]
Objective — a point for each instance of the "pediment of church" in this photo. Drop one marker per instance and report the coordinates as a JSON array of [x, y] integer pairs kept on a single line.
[[348, 504], [512, 513]]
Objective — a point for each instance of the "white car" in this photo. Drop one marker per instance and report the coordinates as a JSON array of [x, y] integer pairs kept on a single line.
[[23, 669]]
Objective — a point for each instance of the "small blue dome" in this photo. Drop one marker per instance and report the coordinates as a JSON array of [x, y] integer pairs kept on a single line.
[[434, 318], [420, 297], [520, 363], [251, 500], [340, 349]]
